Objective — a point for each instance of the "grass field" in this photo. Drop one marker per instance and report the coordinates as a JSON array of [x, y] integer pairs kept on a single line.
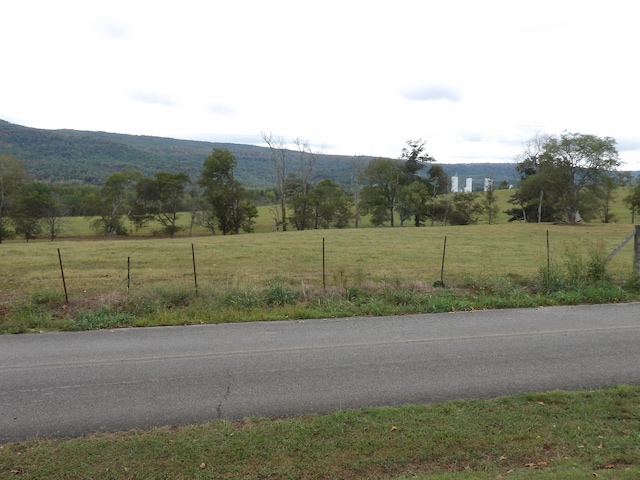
[[316, 267]]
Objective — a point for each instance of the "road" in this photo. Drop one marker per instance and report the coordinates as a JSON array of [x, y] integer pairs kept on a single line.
[[68, 384]]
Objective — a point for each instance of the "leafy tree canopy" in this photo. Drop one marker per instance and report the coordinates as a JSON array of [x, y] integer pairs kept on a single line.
[[556, 171]]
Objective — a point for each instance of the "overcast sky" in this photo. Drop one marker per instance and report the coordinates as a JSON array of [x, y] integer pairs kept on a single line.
[[475, 79]]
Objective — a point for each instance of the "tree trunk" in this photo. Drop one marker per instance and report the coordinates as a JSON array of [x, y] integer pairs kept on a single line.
[[540, 206]]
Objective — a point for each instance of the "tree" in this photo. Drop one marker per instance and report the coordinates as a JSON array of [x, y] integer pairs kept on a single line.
[[195, 202], [632, 201], [532, 167], [416, 191], [331, 205], [559, 169], [490, 205], [161, 198], [413, 201], [415, 159], [579, 161], [299, 196], [54, 214], [278, 148], [384, 177], [12, 178], [603, 194], [115, 204], [438, 184], [356, 179], [465, 209], [225, 195], [29, 210], [418, 199]]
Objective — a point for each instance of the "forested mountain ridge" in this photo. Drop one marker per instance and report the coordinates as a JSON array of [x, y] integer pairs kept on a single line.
[[84, 157]]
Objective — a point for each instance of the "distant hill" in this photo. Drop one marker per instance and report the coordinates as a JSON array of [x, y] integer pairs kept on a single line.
[[81, 157]]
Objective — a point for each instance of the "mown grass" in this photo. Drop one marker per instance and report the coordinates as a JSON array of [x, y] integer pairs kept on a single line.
[[282, 275], [550, 435]]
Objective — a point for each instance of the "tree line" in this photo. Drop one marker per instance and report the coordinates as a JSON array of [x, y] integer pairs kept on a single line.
[[561, 178], [570, 178]]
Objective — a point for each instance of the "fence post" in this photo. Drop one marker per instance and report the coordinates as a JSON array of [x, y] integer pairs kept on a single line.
[[64, 283], [636, 252], [444, 251], [324, 271], [195, 275]]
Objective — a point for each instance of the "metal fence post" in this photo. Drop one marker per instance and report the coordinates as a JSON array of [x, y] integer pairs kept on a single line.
[[636, 252]]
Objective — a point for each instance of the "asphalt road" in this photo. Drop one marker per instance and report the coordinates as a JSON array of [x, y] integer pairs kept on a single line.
[[67, 384]]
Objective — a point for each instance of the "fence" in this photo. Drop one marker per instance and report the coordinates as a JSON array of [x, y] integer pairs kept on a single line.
[[330, 259], [635, 234]]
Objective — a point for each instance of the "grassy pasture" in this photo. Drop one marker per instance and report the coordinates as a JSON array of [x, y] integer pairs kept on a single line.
[[368, 271], [353, 257], [233, 272]]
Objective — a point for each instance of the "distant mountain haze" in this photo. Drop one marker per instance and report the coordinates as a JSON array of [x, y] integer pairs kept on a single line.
[[83, 157]]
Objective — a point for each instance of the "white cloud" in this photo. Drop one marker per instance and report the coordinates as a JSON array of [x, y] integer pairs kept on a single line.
[[221, 109], [475, 79], [153, 98], [432, 92]]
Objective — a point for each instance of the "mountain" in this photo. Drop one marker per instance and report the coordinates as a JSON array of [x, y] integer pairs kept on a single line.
[[82, 157]]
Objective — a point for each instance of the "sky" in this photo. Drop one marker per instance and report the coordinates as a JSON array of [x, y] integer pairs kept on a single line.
[[474, 79]]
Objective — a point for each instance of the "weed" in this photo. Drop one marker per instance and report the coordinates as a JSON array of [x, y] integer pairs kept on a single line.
[[596, 266], [355, 294], [102, 318], [277, 294], [47, 297], [551, 279], [247, 299], [632, 284], [175, 298]]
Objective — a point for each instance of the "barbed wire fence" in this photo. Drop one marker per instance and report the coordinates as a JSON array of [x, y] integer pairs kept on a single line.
[[438, 267]]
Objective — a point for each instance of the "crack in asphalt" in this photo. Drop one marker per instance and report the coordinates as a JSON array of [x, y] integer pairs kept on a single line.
[[225, 398]]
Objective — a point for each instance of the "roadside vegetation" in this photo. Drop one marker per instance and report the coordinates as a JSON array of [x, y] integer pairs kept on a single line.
[[555, 435], [365, 272]]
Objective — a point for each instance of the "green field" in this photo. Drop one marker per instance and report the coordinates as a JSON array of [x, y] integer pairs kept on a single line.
[[102, 273], [351, 257], [315, 273]]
